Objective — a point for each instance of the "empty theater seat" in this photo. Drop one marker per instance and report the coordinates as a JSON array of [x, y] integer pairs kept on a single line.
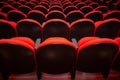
[[29, 28], [22, 1], [55, 14], [34, 1], [7, 29], [65, 5], [36, 15], [111, 6], [45, 5], [55, 4], [7, 8], [103, 9], [59, 8], [74, 15], [56, 55], [94, 15], [94, 5], [96, 55], [16, 4], [55, 28], [15, 15], [87, 2], [86, 9], [21, 63], [82, 28], [108, 28], [76, 2], [10, 1], [112, 14], [24, 39], [41, 8], [69, 8], [80, 5], [30, 4], [24, 9]]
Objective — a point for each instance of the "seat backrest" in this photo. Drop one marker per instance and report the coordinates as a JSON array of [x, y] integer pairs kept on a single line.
[[65, 1], [15, 15], [80, 5], [55, 28], [30, 4], [94, 15], [55, 14], [96, 55], [29, 28], [94, 5], [55, 4], [66, 5], [10, 1], [74, 15], [69, 8], [7, 8], [7, 29], [108, 28], [24, 9], [111, 6], [56, 55], [41, 8], [22, 2], [45, 1], [34, 1], [20, 63], [36, 15], [25, 39], [87, 2], [112, 14], [86, 39], [55, 8], [83, 0], [16, 4], [76, 2], [86, 9], [103, 9], [82, 28], [45, 5]]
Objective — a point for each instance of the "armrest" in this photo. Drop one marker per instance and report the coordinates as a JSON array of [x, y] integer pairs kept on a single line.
[[75, 42], [37, 42]]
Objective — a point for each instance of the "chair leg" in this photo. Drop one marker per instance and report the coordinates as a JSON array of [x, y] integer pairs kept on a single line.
[[5, 76], [39, 75], [73, 73], [105, 73]]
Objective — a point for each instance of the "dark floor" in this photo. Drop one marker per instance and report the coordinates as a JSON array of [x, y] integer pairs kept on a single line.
[[114, 75]]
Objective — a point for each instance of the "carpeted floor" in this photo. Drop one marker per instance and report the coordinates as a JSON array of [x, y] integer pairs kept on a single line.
[[114, 75]]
